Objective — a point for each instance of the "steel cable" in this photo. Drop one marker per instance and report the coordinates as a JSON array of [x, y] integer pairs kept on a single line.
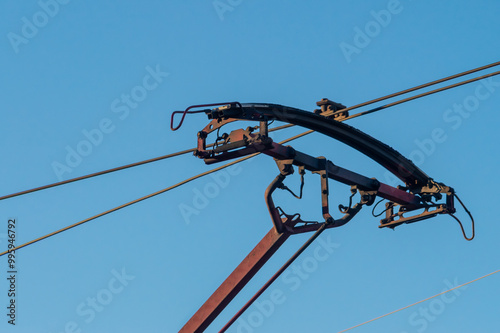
[[287, 125], [241, 159], [143, 198]]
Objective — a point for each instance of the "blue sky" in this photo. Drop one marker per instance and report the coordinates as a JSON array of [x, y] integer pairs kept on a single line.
[[102, 78]]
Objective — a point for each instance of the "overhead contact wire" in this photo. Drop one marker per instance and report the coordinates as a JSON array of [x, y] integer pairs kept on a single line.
[[96, 174], [147, 196], [285, 126], [425, 85], [226, 165], [420, 95], [128, 204], [402, 92]]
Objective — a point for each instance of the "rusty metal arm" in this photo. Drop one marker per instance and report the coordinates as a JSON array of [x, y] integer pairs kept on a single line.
[[252, 263], [420, 189], [419, 192]]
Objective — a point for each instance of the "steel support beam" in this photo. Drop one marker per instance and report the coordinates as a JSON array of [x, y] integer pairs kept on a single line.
[[235, 282]]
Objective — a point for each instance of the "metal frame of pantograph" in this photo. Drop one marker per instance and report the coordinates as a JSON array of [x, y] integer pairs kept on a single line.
[[419, 193]]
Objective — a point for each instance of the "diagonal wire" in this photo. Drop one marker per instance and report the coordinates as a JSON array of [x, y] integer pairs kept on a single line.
[[231, 163], [428, 298], [326, 114], [127, 204], [145, 197], [68, 181], [100, 173], [419, 95], [425, 85], [402, 92], [284, 126], [96, 174]]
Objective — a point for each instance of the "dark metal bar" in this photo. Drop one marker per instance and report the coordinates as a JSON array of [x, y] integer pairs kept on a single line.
[[351, 178], [342, 175], [399, 196], [335, 172], [275, 216], [336, 223]]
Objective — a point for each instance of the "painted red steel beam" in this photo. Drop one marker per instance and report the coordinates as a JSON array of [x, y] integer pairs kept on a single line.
[[252, 263]]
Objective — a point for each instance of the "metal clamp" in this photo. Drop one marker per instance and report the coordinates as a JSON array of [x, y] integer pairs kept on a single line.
[[325, 191]]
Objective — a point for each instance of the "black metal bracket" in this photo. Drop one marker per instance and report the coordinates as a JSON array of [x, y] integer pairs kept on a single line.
[[432, 191], [332, 108], [325, 191], [282, 221]]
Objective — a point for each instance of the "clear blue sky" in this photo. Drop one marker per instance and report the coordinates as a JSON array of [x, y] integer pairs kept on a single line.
[[101, 79]]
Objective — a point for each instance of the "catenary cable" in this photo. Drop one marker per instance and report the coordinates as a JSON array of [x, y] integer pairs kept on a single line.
[[224, 166], [283, 126], [208, 172], [418, 96], [96, 174], [379, 108], [425, 85], [68, 181], [146, 197], [402, 92]]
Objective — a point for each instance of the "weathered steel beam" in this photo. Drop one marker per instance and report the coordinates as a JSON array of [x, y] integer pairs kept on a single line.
[[235, 282]]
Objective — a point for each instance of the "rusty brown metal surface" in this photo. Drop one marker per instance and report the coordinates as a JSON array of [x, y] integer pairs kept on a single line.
[[235, 282]]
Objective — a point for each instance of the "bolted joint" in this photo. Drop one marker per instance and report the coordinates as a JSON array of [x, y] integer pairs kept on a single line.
[[331, 109], [368, 197], [202, 135], [285, 167]]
